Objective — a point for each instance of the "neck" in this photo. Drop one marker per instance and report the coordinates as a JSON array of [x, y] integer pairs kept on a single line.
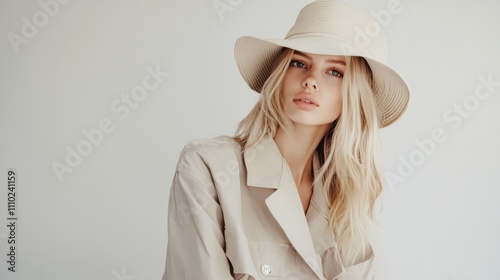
[[298, 148]]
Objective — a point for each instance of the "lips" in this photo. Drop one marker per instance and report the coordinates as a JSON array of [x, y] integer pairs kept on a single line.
[[306, 98]]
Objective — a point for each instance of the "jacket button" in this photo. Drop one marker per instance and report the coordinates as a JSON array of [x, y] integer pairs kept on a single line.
[[266, 269]]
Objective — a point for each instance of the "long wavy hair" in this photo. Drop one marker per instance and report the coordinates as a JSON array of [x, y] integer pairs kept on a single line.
[[348, 151]]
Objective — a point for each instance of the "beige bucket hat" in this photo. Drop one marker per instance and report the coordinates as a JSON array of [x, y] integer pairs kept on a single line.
[[330, 27]]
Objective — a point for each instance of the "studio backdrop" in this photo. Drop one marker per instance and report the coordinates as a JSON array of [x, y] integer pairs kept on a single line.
[[98, 98]]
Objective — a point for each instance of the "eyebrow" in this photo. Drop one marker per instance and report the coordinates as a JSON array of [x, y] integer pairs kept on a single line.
[[329, 60]]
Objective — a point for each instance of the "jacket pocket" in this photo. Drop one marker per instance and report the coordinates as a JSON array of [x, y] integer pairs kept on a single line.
[[255, 260], [360, 271], [331, 262], [238, 254], [269, 259]]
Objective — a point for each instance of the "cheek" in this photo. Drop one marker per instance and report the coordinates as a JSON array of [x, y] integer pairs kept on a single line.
[[335, 97], [286, 85], [335, 105]]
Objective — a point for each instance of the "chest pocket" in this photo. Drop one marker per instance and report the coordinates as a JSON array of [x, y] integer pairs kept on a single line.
[[270, 259], [256, 260], [362, 270]]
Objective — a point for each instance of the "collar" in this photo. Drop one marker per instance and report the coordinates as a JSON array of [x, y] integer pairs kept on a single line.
[[266, 168]]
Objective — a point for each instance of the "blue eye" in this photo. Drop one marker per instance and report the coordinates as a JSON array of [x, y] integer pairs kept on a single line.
[[337, 73], [297, 63]]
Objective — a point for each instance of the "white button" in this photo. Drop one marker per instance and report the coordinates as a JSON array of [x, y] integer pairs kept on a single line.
[[266, 269]]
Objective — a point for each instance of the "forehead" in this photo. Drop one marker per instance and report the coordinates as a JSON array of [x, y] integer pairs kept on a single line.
[[329, 58]]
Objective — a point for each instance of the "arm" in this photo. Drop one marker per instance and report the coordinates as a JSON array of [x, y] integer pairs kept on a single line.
[[196, 246]]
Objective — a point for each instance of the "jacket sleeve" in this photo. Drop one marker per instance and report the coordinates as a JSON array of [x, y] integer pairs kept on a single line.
[[196, 246]]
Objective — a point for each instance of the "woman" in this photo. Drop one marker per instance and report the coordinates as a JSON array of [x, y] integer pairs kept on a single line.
[[292, 194]]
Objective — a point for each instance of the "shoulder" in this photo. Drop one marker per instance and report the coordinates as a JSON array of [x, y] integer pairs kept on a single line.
[[214, 143], [201, 154]]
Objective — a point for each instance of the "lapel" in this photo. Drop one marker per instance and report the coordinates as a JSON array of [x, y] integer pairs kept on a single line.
[[318, 199], [317, 218], [266, 168]]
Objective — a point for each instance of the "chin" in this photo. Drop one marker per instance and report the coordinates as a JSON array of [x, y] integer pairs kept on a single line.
[[302, 121], [307, 118]]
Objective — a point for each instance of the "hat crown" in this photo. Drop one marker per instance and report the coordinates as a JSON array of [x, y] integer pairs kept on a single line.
[[360, 33]]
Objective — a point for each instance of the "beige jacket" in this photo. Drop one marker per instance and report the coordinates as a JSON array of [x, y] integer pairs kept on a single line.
[[233, 216]]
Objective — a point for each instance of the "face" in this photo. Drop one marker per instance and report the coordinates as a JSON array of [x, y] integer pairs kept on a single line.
[[312, 88]]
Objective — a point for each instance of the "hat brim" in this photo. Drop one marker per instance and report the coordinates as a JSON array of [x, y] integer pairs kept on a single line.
[[255, 57]]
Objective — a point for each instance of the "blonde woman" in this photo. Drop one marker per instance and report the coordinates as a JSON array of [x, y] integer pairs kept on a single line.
[[292, 194]]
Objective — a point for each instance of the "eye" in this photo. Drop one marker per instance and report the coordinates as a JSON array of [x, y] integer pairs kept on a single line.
[[335, 72], [297, 63]]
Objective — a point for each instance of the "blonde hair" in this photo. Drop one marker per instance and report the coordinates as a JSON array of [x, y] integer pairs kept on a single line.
[[347, 152]]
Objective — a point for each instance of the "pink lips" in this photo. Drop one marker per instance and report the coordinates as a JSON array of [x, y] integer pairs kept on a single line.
[[305, 101]]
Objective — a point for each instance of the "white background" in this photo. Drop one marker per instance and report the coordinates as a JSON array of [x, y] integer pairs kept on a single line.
[[107, 219]]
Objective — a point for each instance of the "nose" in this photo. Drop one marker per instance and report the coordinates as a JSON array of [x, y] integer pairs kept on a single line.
[[310, 82]]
